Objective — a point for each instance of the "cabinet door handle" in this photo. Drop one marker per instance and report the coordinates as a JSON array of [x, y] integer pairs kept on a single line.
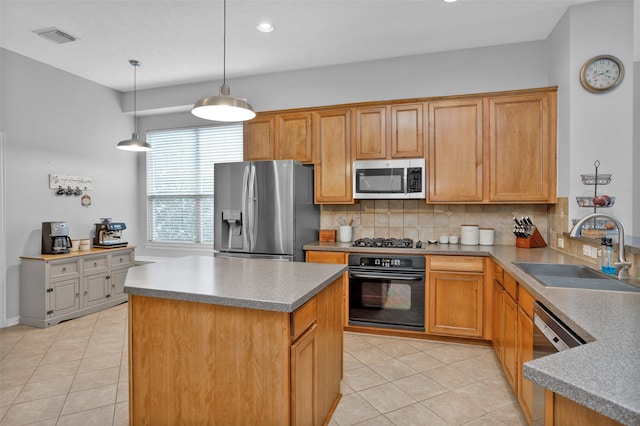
[[108, 277]]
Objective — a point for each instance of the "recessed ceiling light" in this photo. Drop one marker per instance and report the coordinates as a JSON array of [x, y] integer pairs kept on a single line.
[[450, 1], [265, 27]]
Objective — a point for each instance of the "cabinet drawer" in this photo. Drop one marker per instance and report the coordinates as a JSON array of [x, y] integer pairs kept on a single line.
[[95, 264], [498, 272], [125, 259], [63, 269], [525, 301], [456, 263], [510, 285], [303, 318]]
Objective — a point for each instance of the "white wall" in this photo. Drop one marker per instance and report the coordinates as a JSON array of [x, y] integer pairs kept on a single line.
[[601, 125], [57, 123]]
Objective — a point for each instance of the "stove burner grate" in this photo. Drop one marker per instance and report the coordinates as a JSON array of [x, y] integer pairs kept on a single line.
[[384, 242]]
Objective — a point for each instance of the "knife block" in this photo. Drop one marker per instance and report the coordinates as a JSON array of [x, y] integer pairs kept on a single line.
[[535, 240]]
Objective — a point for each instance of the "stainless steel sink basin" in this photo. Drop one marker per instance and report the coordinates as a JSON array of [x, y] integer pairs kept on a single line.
[[574, 276]]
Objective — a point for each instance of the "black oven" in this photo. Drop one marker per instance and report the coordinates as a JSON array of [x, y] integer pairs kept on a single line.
[[387, 291]]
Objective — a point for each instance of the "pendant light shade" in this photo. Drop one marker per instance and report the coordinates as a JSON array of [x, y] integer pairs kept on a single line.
[[134, 144], [223, 107]]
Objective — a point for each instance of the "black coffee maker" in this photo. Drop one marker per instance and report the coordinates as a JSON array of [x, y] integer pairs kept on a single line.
[[55, 238]]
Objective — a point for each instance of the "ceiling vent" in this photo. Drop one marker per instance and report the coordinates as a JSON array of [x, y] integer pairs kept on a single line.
[[55, 35]]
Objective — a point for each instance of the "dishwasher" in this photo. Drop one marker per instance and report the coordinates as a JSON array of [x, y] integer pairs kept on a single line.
[[550, 335]]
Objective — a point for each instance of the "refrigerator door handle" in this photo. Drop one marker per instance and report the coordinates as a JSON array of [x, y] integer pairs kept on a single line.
[[253, 211], [245, 212]]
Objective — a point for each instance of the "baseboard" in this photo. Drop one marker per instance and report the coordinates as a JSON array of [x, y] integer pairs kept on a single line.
[[13, 321]]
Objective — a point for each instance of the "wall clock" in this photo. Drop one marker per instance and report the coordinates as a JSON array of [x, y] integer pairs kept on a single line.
[[601, 73]]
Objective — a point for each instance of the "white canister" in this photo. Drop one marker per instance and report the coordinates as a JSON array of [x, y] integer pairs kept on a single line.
[[469, 235], [345, 234], [487, 236]]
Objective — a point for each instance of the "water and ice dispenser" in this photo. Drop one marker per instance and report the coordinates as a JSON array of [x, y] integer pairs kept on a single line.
[[232, 224]]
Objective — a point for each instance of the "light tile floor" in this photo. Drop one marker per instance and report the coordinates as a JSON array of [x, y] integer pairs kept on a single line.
[[75, 373]]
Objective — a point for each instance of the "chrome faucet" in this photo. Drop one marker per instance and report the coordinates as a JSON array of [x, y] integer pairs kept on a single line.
[[622, 265]]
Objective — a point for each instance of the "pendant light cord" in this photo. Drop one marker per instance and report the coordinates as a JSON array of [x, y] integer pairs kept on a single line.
[[224, 43], [135, 96]]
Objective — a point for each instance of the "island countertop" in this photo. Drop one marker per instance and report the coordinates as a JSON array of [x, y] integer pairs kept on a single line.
[[247, 283]]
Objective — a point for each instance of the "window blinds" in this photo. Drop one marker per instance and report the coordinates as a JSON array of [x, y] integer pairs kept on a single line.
[[180, 180]]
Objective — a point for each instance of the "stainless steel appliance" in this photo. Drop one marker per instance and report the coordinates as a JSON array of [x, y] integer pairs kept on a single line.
[[550, 335], [385, 242], [264, 209], [108, 234], [55, 238], [389, 179], [387, 291]]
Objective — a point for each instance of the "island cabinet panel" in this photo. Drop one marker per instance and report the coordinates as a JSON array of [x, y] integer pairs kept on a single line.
[[199, 363], [522, 147], [332, 132], [561, 411], [525, 353], [455, 151]]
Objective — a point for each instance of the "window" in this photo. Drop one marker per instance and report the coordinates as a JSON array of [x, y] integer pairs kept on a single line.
[[180, 180]]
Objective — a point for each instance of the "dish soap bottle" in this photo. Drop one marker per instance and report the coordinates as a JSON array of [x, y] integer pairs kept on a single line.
[[607, 256]]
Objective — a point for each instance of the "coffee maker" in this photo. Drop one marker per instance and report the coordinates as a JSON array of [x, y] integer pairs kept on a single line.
[[55, 238], [109, 234]]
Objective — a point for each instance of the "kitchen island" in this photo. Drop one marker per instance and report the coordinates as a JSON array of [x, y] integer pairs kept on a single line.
[[234, 341]]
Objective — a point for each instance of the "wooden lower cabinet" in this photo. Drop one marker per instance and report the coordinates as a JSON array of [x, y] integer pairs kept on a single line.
[[455, 296], [455, 304], [510, 355], [326, 257], [198, 363], [525, 353], [498, 319]]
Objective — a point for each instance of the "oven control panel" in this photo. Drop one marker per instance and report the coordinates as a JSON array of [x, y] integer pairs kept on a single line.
[[405, 262]]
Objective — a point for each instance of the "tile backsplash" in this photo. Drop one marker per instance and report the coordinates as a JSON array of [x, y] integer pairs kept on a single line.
[[419, 221]]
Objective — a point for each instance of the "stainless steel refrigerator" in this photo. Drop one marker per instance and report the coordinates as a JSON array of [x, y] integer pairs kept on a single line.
[[264, 209]]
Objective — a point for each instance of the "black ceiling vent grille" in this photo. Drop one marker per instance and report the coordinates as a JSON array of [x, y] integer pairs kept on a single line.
[[55, 35]]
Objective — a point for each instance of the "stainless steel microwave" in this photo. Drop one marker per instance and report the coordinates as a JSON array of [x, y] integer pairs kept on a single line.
[[389, 179]]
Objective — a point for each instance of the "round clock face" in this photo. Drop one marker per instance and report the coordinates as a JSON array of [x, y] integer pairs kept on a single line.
[[601, 73]]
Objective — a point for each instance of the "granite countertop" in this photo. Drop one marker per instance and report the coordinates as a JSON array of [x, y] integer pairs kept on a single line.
[[603, 374], [247, 283]]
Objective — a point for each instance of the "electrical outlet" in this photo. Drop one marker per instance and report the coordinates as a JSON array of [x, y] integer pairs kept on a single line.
[[594, 252], [586, 250], [560, 242]]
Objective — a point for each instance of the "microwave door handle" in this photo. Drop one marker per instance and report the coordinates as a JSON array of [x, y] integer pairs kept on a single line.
[[385, 276], [404, 180]]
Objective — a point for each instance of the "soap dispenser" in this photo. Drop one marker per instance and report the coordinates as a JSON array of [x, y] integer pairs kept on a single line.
[[607, 256]]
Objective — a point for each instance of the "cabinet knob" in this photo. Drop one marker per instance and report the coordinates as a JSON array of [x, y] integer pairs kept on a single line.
[[95, 264], [77, 294], [64, 269], [108, 277]]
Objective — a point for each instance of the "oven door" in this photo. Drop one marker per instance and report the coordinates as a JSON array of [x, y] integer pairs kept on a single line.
[[389, 299]]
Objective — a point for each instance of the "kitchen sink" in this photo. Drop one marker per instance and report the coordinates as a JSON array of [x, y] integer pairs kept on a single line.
[[574, 276]]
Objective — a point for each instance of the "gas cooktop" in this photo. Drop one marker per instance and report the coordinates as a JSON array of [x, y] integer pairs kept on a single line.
[[384, 242]]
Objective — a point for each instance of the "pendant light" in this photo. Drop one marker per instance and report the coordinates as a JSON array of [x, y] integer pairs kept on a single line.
[[223, 107], [134, 144]]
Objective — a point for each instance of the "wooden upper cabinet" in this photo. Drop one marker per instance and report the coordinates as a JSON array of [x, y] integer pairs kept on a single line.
[[407, 136], [385, 132], [279, 137], [293, 137], [259, 138], [332, 133], [371, 133], [455, 151], [522, 147]]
